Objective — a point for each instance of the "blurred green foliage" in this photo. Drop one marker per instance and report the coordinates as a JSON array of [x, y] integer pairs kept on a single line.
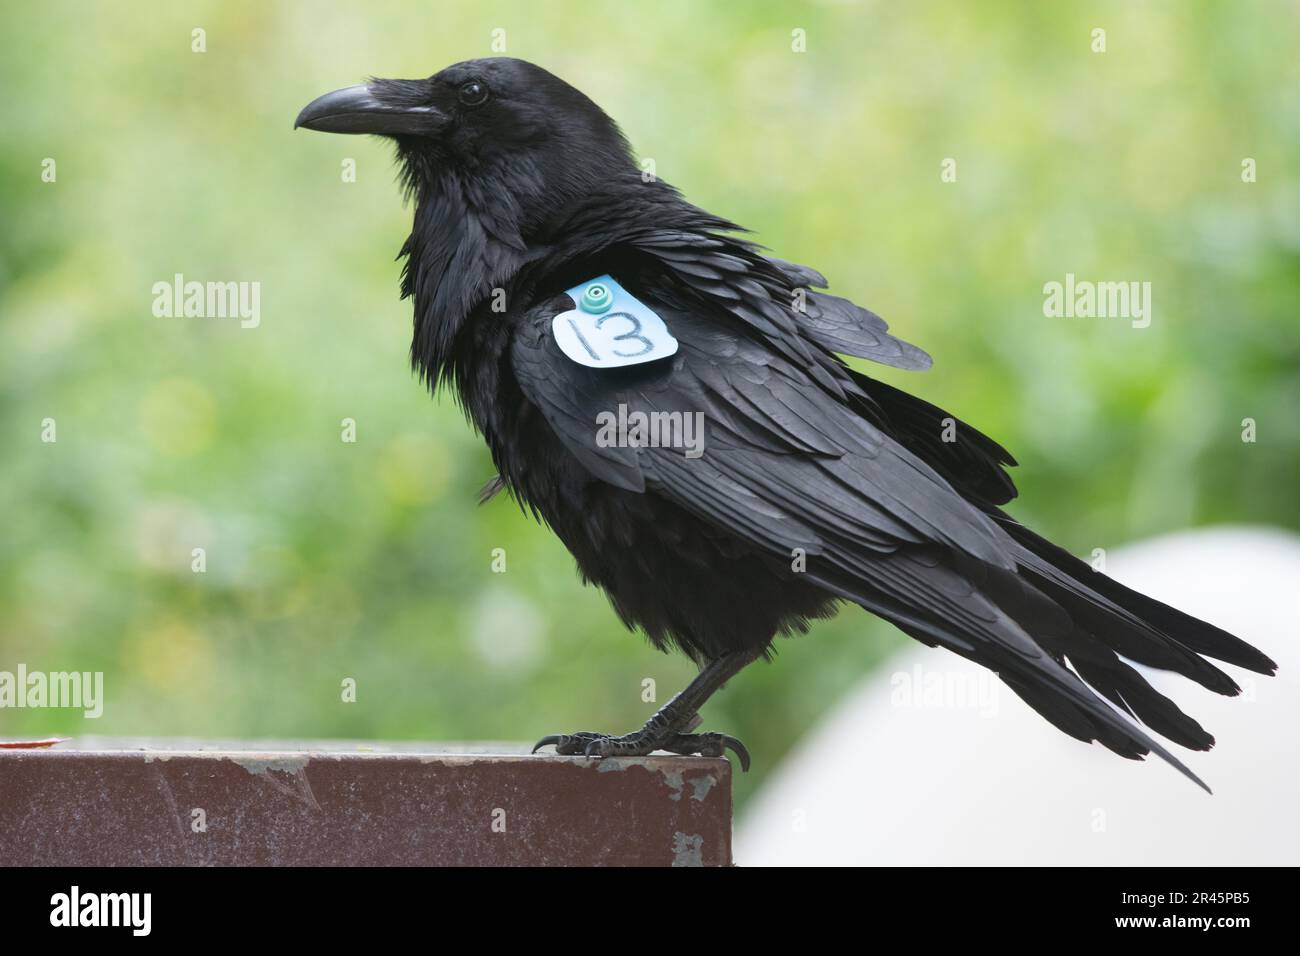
[[328, 560]]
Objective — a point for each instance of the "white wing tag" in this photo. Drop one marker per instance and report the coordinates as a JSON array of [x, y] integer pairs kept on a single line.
[[610, 328]]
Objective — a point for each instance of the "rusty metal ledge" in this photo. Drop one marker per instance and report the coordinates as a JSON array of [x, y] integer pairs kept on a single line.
[[132, 802]]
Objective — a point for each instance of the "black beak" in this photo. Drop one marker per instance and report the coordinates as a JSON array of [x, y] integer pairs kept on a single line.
[[356, 109]]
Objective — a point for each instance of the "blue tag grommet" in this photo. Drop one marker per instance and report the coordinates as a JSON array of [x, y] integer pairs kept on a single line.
[[596, 298]]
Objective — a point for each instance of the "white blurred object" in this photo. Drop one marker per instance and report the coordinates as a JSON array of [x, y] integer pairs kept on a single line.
[[953, 769]]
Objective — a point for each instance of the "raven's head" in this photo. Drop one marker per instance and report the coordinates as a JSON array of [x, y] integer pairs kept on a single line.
[[502, 128], [500, 155]]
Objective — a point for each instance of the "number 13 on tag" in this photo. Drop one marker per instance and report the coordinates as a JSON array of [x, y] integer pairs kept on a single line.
[[610, 328]]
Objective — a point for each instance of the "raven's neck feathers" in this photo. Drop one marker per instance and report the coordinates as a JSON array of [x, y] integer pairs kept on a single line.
[[462, 246], [470, 239]]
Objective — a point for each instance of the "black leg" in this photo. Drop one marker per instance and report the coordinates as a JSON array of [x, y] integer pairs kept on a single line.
[[669, 729]]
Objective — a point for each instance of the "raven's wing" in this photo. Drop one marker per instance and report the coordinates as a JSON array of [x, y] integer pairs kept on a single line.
[[788, 463], [776, 298], [839, 325]]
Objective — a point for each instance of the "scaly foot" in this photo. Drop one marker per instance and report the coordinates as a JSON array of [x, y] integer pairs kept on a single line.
[[642, 742]]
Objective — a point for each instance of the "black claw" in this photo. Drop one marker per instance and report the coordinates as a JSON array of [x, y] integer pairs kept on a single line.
[[708, 745], [569, 745], [742, 754]]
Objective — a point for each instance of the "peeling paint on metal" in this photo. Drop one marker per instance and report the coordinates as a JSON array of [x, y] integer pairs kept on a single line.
[[675, 784], [701, 785], [688, 849], [260, 763]]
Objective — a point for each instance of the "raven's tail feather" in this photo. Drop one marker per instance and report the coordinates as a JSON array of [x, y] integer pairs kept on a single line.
[[1088, 638], [999, 619], [1189, 632], [1057, 688], [1086, 622], [1142, 628]]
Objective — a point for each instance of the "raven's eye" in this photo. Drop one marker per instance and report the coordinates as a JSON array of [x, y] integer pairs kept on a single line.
[[473, 93]]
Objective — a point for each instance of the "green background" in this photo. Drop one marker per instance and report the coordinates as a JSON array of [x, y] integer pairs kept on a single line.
[[371, 560]]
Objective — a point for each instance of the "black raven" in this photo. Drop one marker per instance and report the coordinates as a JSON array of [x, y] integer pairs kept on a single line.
[[810, 484]]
